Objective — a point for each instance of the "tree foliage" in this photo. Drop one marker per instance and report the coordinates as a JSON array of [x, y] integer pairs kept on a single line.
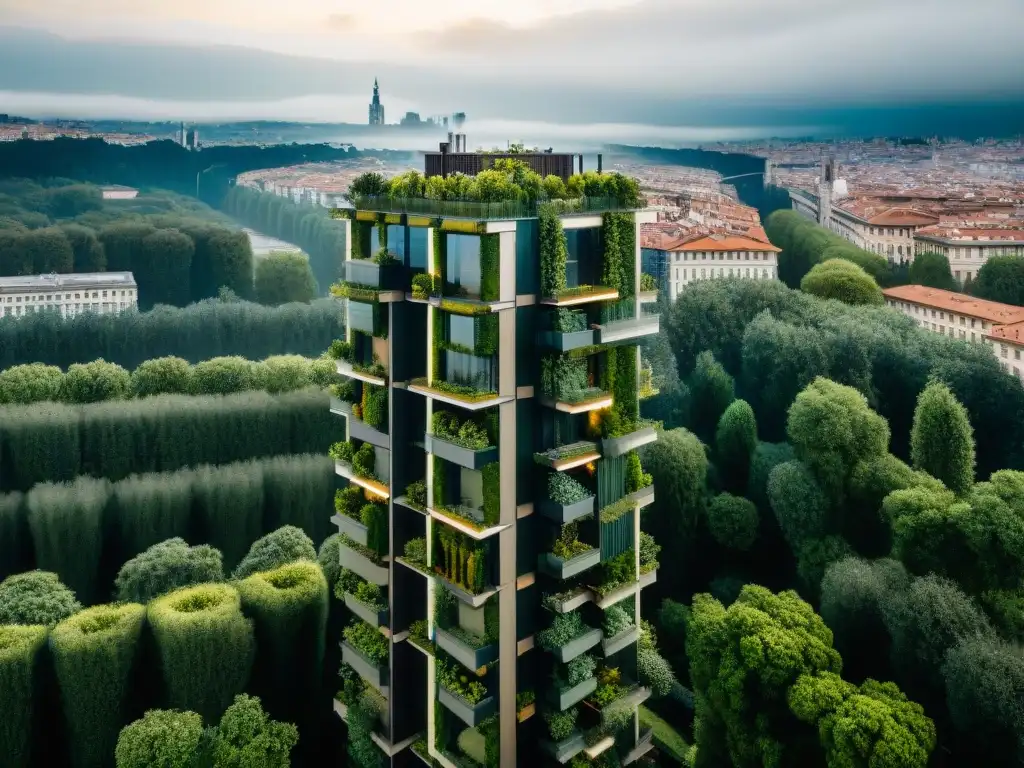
[[36, 598], [20, 648], [735, 442], [160, 739], [285, 545], [932, 269], [284, 277], [1001, 278], [711, 392], [165, 567], [733, 521], [942, 440], [247, 738], [842, 280]]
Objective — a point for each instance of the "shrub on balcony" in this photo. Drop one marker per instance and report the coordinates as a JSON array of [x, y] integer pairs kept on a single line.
[[575, 672], [616, 621], [636, 478], [368, 641], [568, 545], [648, 283], [566, 490], [372, 596], [416, 494], [569, 320], [416, 552], [565, 628], [364, 461], [355, 546], [349, 501], [375, 368], [342, 451], [375, 517], [616, 572], [461, 682], [460, 560], [344, 390], [423, 286], [383, 258], [348, 582], [340, 350], [649, 550], [467, 433], [374, 405], [564, 378], [561, 724]]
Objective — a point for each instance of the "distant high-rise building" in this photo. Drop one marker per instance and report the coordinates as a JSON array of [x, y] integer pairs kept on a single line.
[[376, 108], [411, 118]]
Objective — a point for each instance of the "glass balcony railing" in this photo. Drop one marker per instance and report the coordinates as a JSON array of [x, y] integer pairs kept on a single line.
[[473, 209]]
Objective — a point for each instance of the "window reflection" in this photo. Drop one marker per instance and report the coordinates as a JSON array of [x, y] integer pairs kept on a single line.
[[461, 331], [471, 371], [417, 247], [463, 263]]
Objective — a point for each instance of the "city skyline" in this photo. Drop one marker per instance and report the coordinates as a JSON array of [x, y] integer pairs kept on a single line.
[[650, 62]]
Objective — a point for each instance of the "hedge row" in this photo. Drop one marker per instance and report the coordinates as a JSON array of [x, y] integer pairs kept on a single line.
[[198, 332], [53, 442], [85, 530], [210, 643], [99, 380]]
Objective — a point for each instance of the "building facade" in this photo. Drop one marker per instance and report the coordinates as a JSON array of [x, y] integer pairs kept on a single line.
[[710, 257], [479, 415], [100, 293], [964, 317], [968, 248], [376, 109]]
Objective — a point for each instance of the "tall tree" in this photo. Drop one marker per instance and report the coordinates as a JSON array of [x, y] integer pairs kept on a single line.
[[942, 440], [842, 280], [284, 277], [735, 441], [1001, 278], [87, 248], [164, 268], [932, 269], [711, 392]]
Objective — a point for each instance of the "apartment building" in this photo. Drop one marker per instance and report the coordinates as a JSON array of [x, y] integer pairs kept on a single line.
[[477, 411], [71, 294], [968, 248], [710, 257], [960, 316]]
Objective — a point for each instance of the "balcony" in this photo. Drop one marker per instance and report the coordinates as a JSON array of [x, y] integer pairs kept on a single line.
[[359, 429], [366, 272], [565, 750], [462, 397], [457, 454], [642, 434], [377, 488], [564, 342], [350, 527], [644, 497], [569, 601], [357, 292], [619, 322], [583, 294], [570, 697], [471, 714], [345, 368], [464, 595], [372, 616], [376, 676], [582, 401], [463, 520], [467, 655], [643, 746], [569, 456], [566, 513], [566, 569], [578, 645], [362, 565], [612, 645], [502, 210]]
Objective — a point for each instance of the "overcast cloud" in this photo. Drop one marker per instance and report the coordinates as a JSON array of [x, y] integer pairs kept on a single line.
[[613, 61]]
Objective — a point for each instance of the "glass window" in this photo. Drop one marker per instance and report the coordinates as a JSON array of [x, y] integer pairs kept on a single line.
[[583, 266], [418, 247], [463, 267], [396, 240], [461, 331], [470, 370]]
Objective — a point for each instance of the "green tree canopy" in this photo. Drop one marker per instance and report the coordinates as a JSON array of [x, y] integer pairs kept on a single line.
[[247, 738], [96, 381], [283, 277], [733, 521], [799, 504], [165, 567], [735, 442], [932, 269], [942, 440], [711, 392], [36, 597], [1001, 278], [30, 383], [867, 727], [162, 376], [160, 739], [743, 659], [285, 545], [842, 280]]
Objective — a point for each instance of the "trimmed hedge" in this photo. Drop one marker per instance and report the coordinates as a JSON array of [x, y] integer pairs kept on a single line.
[[289, 607], [85, 531], [54, 443], [206, 647], [19, 653], [94, 653], [197, 332]]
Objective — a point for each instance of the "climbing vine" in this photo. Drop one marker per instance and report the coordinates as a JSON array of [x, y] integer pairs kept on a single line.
[[554, 252], [490, 274], [618, 266], [492, 493]]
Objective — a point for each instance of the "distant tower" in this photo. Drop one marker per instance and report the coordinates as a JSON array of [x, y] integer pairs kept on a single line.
[[376, 108], [828, 177], [182, 134], [769, 173]]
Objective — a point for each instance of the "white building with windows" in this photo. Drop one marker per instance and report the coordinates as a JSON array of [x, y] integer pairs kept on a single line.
[[960, 316], [72, 294], [968, 248], [710, 257]]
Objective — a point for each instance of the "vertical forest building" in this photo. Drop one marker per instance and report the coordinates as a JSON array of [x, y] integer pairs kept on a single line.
[[491, 493]]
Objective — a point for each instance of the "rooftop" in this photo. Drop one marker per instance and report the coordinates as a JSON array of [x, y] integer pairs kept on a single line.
[[20, 283], [960, 303], [721, 242], [972, 234], [1011, 332]]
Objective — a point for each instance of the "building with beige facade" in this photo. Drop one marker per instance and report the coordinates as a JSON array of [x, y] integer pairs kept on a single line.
[[73, 294], [715, 256], [968, 248], [964, 317]]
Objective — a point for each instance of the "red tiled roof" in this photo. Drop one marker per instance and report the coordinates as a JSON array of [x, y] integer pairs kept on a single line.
[[961, 303], [1011, 332], [722, 243]]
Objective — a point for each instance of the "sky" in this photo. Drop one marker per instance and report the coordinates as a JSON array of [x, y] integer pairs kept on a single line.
[[764, 64]]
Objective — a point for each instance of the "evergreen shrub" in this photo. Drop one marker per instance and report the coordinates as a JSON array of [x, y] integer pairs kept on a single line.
[[165, 567], [36, 598], [285, 545], [20, 648]]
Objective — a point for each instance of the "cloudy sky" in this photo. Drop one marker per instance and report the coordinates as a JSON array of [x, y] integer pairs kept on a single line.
[[701, 63]]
